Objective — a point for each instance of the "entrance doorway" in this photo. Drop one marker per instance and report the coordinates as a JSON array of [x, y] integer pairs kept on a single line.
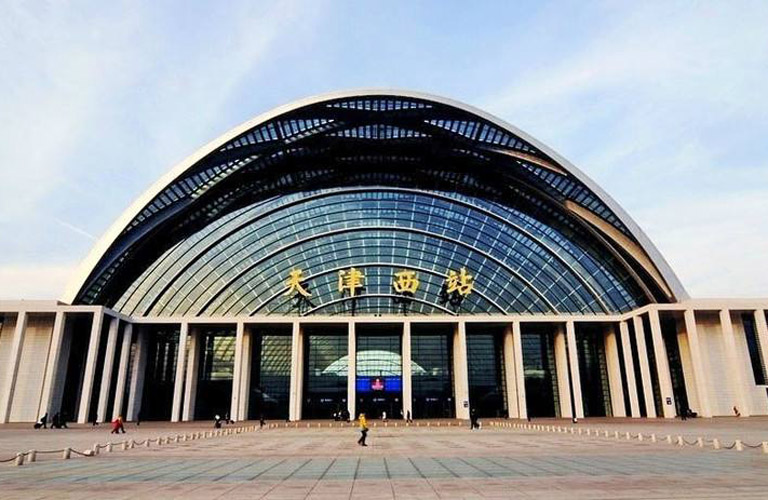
[[379, 371]]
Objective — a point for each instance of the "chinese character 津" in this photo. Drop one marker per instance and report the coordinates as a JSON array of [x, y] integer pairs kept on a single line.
[[350, 280]]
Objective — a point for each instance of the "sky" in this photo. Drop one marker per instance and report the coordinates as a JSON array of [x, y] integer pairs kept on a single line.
[[663, 104]]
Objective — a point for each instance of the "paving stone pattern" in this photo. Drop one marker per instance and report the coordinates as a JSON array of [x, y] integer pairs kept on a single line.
[[399, 463]]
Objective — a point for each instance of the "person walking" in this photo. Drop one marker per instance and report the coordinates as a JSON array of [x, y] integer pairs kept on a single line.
[[473, 422], [363, 430], [117, 425], [408, 417]]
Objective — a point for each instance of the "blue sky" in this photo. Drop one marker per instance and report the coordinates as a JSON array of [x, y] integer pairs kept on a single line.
[[664, 104]]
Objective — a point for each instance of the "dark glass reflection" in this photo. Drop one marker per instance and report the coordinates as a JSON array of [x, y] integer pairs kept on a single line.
[[325, 373], [487, 384], [217, 362], [270, 374], [432, 372], [541, 390]]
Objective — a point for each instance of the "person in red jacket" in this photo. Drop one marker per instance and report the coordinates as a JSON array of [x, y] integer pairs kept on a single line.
[[117, 425]]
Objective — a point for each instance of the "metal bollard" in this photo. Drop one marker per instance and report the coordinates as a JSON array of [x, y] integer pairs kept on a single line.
[[653, 438], [669, 439], [765, 446], [589, 432], [67, 453], [131, 444], [124, 446], [616, 434], [628, 436], [95, 449], [739, 446], [716, 444], [606, 433], [639, 436], [109, 447], [19, 459], [31, 456], [700, 442], [680, 441], [146, 443]]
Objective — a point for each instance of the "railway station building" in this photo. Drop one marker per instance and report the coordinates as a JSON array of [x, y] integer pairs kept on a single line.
[[378, 251]]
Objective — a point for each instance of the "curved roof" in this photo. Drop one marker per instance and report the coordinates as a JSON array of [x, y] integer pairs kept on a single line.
[[359, 138]]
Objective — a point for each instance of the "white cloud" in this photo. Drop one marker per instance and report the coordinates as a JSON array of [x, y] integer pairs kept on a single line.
[[34, 282]]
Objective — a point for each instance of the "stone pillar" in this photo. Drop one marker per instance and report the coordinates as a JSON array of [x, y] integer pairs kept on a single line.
[[12, 370], [517, 340], [297, 373], [122, 370], [460, 371], [407, 372], [561, 367], [662, 366], [614, 372], [629, 369], [90, 367], [136, 390], [52, 367], [697, 360], [190, 385], [237, 372], [510, 379], [645, 367], [573, 358], [245, 376], [736, 365], [178, 380], [106, 373], [352, 370]]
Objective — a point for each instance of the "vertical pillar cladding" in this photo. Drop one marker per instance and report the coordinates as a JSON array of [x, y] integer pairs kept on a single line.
[[738, 378], [629, 369], [90, 367], [106, 373], [122, 373], [460, 371], [407, 370], [510, 377], [53, 364], [136, 391], [614, 372], [662, 366], [573, 356], [190, 384], [517, 340], [237, 371], [645, 367], [12, 369], [697, 359], [563, 377], [178, 382], [297, 372], [351, 369]]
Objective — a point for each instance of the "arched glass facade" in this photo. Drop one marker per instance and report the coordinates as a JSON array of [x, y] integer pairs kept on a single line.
[[520, 263], [383, 184]]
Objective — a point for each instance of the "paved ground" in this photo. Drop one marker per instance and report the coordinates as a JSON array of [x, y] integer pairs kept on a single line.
[[415, 462]]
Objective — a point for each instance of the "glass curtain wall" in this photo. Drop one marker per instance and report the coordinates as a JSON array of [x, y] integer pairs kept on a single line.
[[270, 373], [379, 378], [432, 371], [217, 362], [487, 384], [541, 391], [157, 400], [325, 372], [595, 391]]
